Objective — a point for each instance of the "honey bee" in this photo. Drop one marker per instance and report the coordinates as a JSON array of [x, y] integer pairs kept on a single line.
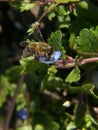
[[37, 49]]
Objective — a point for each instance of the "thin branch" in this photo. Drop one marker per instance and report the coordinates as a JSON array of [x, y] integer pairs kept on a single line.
[[11, 106], [45, 2], [71, 62], [80, 105], [46, 12]]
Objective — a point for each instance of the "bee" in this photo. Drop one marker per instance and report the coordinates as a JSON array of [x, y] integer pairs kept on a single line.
[[37, 49]]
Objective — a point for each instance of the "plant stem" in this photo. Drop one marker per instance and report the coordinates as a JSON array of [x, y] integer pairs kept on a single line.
[[71, 62], [11, 106]]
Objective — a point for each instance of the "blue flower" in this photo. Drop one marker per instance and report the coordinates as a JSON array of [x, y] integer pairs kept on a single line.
[[54, 57], [22, 113]]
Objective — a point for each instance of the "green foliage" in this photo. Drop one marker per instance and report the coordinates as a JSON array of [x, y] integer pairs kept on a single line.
[[4, 87], [87, 42], [20, 101], [85, 8], [51, 81], [55, 40], [15, 71], [52, 70], [26, 6], [66, 1], [42, 121], [74, 75], [73, 28], [29, 65], [89, 88], [63, 17]]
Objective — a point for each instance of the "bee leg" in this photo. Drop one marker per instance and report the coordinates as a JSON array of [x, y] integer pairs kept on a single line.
[[36, 55]]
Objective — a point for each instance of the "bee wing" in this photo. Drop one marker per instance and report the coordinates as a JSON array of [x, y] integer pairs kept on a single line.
[[37, 34], [23, 43]]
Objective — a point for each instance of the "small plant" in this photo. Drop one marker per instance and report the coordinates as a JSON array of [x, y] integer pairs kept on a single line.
[[57, 75]]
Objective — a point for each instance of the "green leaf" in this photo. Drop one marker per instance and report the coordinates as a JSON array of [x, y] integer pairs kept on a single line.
[[26, 6], [93, 120], [62, 10], [52, 70], [12, 89], [66, 1], [31, 29], [56, 126], [29, 65], [64, 22], [71, 126], [51, 81], [89, 88], [55, 40], [73, 76], [51, 7], [39, 127], [87, 43], [4, 87], [51, 15], [72, 41], [44, 82], [20, 101]]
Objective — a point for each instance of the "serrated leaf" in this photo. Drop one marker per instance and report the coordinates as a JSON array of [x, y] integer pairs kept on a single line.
[[55, 40], [73, 76], [26, 6], [87, 43]]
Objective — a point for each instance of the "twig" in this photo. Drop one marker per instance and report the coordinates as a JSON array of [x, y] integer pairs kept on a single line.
[[45, 2], [71, 62], [11, 106], [52, 94], [80, 105], [46, 12]]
